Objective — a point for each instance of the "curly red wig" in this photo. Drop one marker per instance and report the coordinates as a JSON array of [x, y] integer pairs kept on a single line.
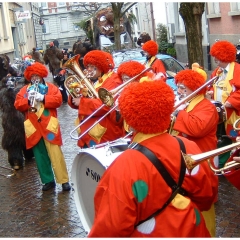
[[102, 60], [131, 69], [36, 68], [224, 51], [191, 79], [147, 106], [151, 47]]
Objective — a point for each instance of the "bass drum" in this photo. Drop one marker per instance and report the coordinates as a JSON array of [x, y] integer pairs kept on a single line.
[[221, 111], [87, 170]]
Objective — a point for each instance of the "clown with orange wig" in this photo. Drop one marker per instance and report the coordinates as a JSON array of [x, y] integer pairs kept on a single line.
[[132, 189], [227, 91], [42, 129], [151, 50], [197, 120], [99, 66]]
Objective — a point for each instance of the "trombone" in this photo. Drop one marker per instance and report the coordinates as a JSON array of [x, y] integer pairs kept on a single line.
[[107, 97], [194, 160], [8, 175]]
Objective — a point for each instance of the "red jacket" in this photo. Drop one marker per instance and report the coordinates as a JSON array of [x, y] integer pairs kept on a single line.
[[46, 125], [108, 128], [131, 189]]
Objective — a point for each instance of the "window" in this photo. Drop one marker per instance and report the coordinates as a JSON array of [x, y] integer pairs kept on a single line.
[[213, 10], [64, 24], [235, 9]]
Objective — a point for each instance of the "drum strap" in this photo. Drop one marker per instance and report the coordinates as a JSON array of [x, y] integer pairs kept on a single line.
[[176, 187]]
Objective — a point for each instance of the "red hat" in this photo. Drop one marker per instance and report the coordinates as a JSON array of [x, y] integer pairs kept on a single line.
[[35, 69], [191, 79], [224, 51], [51, 44], [131, 69], [102, 60], [147, 106], [151, 47]]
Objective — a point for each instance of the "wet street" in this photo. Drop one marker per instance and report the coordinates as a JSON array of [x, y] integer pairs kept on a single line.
[[26, 211]]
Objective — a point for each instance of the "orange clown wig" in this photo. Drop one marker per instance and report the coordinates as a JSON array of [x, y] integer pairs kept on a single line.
[[151, 47], [191, 79], [100, 59], [147, 106], [224, 51], [131, 69], [35, 68]]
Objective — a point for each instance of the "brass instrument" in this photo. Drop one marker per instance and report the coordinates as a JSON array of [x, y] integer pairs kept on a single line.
[[8, 175], [78, 85], [192, 161], [235, 125], [107, 97], [188, 98], [32, 108]]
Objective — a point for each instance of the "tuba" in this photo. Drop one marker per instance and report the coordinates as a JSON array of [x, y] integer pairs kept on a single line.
[[78, 85]]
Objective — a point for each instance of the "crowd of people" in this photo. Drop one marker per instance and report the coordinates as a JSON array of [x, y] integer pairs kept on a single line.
[[148, 182]]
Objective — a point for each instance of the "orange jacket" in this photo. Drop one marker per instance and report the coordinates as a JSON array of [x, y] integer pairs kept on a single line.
[[108, 128], [46, 125], [131, 189]]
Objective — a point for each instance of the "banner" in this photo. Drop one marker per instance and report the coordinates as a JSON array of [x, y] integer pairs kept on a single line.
[[23, 15]]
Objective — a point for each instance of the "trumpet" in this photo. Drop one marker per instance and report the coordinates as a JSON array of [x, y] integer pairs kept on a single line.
[[79, 84], [107, 97], [34, 87], [8, 175]]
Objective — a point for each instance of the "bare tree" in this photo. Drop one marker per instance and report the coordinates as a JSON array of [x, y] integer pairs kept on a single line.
[[191, 13]]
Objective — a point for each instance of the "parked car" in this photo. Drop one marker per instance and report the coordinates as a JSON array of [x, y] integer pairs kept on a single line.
[[172, 65]]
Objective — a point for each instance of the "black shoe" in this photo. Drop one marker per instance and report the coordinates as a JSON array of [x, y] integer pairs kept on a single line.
[[48, 186], [66, 186]]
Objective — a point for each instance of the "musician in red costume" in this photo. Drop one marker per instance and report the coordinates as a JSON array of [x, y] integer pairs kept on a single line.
[[227, 91], [132, 189], [151, 50], [99, 65], [197, 120], [42, 129]]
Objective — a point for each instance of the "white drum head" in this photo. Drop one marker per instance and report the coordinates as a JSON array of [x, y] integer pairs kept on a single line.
[[87, 169]]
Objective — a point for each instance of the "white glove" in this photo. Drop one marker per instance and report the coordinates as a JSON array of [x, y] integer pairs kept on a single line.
[[182, 107], [31, 94], [39, 97]]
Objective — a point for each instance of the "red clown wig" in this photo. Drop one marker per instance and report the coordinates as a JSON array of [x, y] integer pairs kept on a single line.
[[191, 79], [100, 59], [224, 51], [35, 69], [147, 106], [131, 69], [151, 47]]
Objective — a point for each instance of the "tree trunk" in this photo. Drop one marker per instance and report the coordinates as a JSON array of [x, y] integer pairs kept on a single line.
[[116, 7], [191, 14]]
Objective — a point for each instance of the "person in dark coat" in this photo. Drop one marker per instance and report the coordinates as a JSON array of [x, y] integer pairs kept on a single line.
[[13, 138]]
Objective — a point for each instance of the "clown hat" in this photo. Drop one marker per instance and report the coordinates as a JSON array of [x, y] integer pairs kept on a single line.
[[150, 47], [131, 69], [147, 106], [191, 79], [102, 60], [196, 67], [35, 68], [224, 51]]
